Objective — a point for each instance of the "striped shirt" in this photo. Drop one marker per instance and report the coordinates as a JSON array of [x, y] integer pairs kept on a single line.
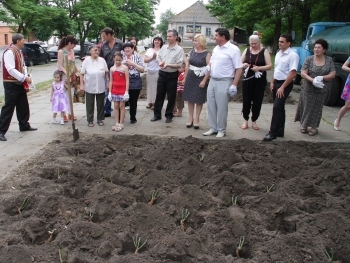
[[136, 58]]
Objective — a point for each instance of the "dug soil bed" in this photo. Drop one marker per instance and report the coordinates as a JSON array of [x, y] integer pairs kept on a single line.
[[85, 202]]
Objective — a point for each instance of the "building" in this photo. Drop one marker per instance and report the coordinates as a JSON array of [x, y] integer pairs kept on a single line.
[[5, 34], [196, 19]]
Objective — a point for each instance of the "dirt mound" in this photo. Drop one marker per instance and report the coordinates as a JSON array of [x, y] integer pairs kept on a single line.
[[88, 200]]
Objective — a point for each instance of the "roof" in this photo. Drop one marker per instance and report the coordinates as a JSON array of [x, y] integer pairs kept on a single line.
[[197, 11]]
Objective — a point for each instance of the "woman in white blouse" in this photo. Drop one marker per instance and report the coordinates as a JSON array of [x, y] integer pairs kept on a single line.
[[152, 70], [94, 72]]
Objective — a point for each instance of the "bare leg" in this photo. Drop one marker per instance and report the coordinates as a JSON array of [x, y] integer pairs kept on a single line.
[[122, 112], [199, 108], [190, 106], [341, 113]]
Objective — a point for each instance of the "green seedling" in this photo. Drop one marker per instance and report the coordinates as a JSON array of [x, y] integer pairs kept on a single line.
[[201, 156], [240, 245], [137, 242], [51, 233], [154, 197], [62, 254], [269, 188], [234, 200], [184, 214], [203, 183], [24, 204], [329, 255]]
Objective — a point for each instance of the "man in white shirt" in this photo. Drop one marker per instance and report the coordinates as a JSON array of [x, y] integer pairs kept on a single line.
[[225, 64], [15, 83], [286, 65]]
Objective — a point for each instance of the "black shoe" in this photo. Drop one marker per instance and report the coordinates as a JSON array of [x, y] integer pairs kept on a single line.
[[156, 118], [269, 138], [133, 121], [280, 135], [168, 120], [107, 114], [2, 137], [28, 129]]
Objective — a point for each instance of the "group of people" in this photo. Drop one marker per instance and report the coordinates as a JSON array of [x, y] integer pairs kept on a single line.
[[112, 74]]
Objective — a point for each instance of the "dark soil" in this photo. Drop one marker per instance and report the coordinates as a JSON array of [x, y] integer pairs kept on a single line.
[[94, 196]]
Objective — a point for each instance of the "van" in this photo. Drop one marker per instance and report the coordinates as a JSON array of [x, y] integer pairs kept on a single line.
[[33, 53]]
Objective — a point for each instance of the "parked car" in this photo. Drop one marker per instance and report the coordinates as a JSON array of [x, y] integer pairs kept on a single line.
[[41, 43], [85, 52], [53, 52], [33, 53]]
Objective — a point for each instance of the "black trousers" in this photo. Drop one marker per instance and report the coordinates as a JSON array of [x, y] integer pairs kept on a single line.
[[15, 97], [166, 85], [133, 98], [253, 92], [278, 113]]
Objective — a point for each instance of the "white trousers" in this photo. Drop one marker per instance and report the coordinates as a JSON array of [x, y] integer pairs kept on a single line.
[[217, 100]]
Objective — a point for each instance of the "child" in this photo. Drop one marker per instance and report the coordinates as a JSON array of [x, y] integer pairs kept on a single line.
[[179, 105], [58, 98], [119, 90]]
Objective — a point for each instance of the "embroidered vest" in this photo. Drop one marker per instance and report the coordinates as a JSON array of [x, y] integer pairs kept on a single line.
[[18, 64]]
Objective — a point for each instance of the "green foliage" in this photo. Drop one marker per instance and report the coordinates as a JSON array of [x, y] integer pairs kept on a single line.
[[164, 21]]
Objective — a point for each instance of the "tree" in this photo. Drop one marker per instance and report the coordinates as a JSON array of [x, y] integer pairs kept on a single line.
[[164, 22]]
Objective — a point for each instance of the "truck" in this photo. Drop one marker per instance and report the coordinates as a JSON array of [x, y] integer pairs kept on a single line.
[[337, 34]]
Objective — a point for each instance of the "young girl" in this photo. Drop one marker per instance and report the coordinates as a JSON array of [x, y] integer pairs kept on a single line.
[[118, 90], [58, 98]]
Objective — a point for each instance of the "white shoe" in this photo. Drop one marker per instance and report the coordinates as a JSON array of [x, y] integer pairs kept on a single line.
[[220, 135], [335, 127], [54, 121], [127, 107], [210, 132], [62, 121]]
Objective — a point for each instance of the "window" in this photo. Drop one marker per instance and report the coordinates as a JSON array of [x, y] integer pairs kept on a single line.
[[6, 39], [181, 30], [208, 32]]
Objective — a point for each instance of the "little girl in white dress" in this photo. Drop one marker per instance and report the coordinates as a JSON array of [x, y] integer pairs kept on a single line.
[[59, 100]]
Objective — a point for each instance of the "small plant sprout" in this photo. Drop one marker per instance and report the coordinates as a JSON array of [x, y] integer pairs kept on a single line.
[[234, 200], [137, 243], [24, 204], [240, 245], [201, 156], [154, 197], [51, 233], [184, 214], [202, 184], [329, 254], [269, 188], [62, 254]]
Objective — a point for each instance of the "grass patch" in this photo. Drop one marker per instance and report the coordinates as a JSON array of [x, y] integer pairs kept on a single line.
[[45, 85]]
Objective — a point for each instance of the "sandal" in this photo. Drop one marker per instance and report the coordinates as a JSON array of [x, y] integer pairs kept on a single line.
[[119, 127], [91, 124], [177, 115], [115, 127], [149, 106], [152, 108], [100, 123], [244, 126], [313, 132], [337, 128], [303, 130], [254, 126]]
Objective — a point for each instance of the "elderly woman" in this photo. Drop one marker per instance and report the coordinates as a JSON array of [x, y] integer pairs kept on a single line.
[[317, 72], [152, 70], [256, 61], [195, 88], [65, 48], [135, 65], [93, 75]]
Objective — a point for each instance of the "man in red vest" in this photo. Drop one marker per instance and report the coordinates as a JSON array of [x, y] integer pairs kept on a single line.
[[14, 84]]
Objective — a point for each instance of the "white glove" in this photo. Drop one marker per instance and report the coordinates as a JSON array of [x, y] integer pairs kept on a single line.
[[126, 96], [319, 78], [232, 91], [208, 68], [246, 71], [109, 96], [317, 83], [258, 74]]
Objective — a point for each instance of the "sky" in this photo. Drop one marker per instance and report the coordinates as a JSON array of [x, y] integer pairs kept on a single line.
[[176, 6]]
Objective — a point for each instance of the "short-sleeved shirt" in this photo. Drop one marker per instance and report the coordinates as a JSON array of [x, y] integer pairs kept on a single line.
[[153, 65], [225, 60], [94, 71], [108, 53], [285, 62], [174, 55]]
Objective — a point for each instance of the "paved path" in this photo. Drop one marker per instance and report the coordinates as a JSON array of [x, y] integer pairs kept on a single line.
[[22, 145]]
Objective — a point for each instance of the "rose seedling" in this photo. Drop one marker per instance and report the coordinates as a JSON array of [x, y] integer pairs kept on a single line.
[[137, 243], [269, 188], [24, 204], [154, 197], [329, 255], [184, 214], [234, 200]]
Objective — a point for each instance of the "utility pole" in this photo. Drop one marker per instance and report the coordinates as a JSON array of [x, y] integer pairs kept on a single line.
[[194, 27]]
